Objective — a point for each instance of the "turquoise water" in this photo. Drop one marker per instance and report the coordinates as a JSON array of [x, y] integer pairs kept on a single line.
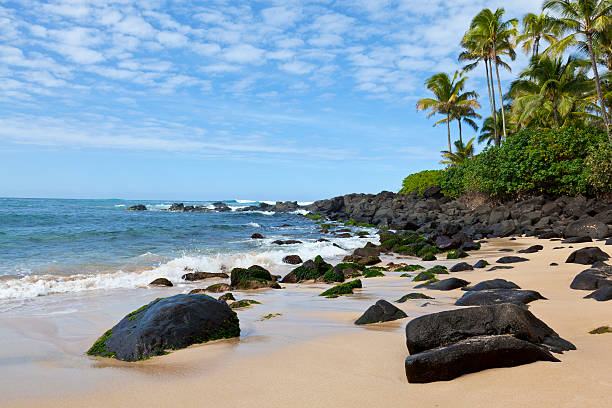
[[56, 246]]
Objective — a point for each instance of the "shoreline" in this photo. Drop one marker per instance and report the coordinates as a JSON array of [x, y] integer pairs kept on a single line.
[[313, 355]]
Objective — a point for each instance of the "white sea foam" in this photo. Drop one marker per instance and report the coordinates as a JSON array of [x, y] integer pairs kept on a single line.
[[268, 202], [245, 201], [119, 205], [302, 203], [270, 256], [301, 212], [254, 225]]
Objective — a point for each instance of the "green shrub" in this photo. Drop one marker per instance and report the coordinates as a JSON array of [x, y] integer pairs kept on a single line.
[[599, 167], [534, 161], [417, 182]]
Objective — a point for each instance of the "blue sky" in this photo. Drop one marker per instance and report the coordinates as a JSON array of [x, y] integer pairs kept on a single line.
[[204, 100]]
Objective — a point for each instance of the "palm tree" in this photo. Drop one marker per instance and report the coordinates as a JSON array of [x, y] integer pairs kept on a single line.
[[448, 97], [466, 114], [537, 28], [551, 87], [463, 153], [490, 129], [584, 18], [490, 29]]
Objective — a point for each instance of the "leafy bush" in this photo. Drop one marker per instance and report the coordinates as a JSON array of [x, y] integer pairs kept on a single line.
[[599, 165], [533, 161], [417, 182]]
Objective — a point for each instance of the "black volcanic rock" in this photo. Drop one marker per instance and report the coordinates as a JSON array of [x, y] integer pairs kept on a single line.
[[593, 278], [511, 259], [138, 207], [492, 284], [445, 284], [498, 296], [292, 260], [587, 256], [461, 266], [532, 249], [381, 311], [602, 294]]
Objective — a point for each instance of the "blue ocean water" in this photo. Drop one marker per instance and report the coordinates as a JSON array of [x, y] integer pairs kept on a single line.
[[52, 246]]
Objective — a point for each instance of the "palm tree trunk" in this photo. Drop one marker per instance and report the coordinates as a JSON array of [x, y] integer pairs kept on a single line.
[[460, 136], [555, 113], [536, 47], [604, 115], [450, 149], [493, 106], [501, 96]]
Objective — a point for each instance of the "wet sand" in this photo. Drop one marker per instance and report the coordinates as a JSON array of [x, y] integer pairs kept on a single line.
[[312, 355]]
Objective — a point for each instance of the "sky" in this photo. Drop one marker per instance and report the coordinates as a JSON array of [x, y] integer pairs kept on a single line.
[[211, 100]]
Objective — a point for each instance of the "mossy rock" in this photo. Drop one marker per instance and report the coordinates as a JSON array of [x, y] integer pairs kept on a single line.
[[438, 269], [410, 268], [424, 276], [601, 330], [373, 273], [167, 324], [412, 296], [244, 303], [429, 257], [254, 272], [457, 254], [343, 289], [227, 296]]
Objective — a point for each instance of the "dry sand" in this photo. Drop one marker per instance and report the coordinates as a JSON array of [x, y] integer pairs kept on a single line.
[[315, 357]]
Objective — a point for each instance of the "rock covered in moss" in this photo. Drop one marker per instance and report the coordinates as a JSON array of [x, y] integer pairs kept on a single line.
[[167, 324], [309, 270], [226, 297], [457, 254], [412, 296], [244, 303], [374, 272], [342, 289], [255, 277], [381, 311], [161, 282]]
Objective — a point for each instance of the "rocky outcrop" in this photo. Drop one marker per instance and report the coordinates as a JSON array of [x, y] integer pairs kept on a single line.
[[538, 216], [138, 207], [587, 256], [381, 311], [167, 324], [446, 345]]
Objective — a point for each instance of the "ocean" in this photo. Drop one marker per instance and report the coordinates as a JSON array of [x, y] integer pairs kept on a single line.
[[53, 246]]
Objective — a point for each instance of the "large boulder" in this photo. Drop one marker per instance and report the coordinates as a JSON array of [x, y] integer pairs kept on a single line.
[[593, 278], [167, 324], [381, 311], [587, 227], [472, 355], [587, 256], [498, 296], [492, 284], [292, 260]]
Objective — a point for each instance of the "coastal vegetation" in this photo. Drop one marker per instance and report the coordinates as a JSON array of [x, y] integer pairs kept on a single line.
[[549, 131]]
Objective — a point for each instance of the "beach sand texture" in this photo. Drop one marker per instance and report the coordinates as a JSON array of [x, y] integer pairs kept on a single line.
[[312, 355]]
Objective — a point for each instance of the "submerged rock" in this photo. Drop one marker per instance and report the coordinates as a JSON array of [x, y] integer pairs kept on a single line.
[[381, 311], [257, 236], [167, 324]]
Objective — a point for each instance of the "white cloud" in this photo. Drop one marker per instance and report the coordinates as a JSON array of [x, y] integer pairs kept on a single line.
[[172, 39], [297, 67], [244, 54], [135, 25], [280, 16]]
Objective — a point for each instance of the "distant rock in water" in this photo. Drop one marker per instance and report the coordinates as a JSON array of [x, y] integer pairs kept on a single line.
[[257, 236], [381, 311], [161, 282], [139, 207], [167, 324]]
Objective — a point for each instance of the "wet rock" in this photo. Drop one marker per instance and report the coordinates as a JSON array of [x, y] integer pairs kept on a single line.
[[382, 311], [292, 260], [511, 259], [287, 242], [498, 296], [161, 282], [196, 276], [587, 256], [216, 288], [138, 207], [244, 303], [461, 266], [492, 284], [532, 249], [167, 324], [255, 277], [309, 270], [412, 296], [257, 236], [445, 284], [227, 297]]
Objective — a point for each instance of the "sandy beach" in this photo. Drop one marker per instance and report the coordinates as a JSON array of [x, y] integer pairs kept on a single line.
[[312, 355]]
